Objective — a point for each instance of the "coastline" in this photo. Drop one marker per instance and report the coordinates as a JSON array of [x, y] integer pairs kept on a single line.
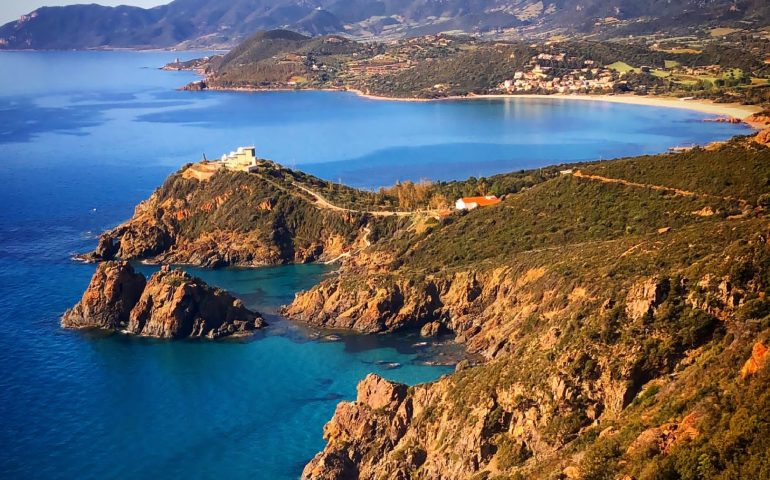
[[732, 110], [727, 110]]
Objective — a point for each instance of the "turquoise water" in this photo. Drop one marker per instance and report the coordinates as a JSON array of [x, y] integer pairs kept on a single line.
[[84, 136]]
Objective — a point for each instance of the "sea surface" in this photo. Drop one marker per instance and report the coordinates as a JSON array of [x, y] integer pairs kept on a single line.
[[85, 136]]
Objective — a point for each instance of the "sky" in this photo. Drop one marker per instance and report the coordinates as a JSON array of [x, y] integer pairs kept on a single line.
[[12, 9]]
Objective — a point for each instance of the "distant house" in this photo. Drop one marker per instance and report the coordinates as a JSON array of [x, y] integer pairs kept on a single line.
[[469, 203]]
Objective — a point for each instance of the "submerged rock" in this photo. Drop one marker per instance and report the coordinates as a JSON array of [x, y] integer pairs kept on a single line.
[[172, 304], [431, 329]]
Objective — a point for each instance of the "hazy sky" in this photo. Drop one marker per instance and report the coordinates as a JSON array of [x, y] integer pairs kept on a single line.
[[13, 9]]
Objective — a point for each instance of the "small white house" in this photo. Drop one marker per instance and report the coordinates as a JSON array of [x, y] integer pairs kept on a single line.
[[469, 203]]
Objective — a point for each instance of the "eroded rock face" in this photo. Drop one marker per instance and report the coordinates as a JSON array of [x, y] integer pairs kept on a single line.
[[376, 307], [758, 120], [758, 359], [645, 297], [361, 431], [107, 302], [216, 217], [176, 305], [377, 392], [661, 439], [172, 304], [431, 329], [763, 137], [480, 308]]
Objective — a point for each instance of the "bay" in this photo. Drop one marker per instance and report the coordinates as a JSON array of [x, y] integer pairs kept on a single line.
[[85, 136]]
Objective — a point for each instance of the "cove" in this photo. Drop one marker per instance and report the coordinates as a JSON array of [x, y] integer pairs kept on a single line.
[[88, 135]]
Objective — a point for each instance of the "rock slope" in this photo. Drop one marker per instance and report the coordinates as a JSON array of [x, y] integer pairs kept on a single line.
[[615, 318], [172, 304], [621, 311], [213, 218]]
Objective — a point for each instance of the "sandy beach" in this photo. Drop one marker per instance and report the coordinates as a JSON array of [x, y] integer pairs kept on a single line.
[[733, 110]]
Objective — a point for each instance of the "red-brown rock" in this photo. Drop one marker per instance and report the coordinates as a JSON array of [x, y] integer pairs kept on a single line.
[[172, 304], [107, 302]]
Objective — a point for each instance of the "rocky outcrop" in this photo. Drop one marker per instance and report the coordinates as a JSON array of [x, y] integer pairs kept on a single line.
[[645, 297], [663, 438], [436, 431], [759, 356], [107, 302], [213, 217], [376, 305], [763, 137], [482, 308], [172, 304], [431, 329], [361, 431], [198, 86], [759, 120]]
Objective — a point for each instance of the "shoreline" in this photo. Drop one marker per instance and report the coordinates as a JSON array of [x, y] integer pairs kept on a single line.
[[731, 110], [727, 110]]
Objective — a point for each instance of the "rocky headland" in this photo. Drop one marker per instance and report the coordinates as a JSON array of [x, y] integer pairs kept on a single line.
[[617, 307], [171, 304], [603, 309], [214, 217]]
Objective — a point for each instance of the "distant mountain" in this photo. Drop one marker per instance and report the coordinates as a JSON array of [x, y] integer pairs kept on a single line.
[[186, 23]]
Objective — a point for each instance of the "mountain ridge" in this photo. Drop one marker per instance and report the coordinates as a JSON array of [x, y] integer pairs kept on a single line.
[[199, 23]]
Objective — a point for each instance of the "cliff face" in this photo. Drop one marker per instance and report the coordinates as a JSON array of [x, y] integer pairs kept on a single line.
[[615, 320], [215, 218], [172, 304], [481, 307], [614, 309], [107, 302], [580, 367]]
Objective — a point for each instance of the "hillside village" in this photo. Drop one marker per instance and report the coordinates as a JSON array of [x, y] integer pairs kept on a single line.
[[550, 73], [731, 66]]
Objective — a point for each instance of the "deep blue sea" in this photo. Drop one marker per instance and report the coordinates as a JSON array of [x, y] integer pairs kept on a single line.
[[84, 136]]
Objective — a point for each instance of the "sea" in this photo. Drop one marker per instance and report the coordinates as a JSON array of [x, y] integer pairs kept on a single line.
[[85, 136]]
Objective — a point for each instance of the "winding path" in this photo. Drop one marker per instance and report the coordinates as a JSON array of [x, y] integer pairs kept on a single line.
[[324, 203], [675, 191]]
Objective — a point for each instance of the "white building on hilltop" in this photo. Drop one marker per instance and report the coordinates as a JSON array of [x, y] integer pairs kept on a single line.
[[241, 159]]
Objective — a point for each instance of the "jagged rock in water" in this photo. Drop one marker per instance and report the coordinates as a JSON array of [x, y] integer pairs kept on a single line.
[[431, 329], [107, 302], [363, 423], [176, 305], [172, 304]]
